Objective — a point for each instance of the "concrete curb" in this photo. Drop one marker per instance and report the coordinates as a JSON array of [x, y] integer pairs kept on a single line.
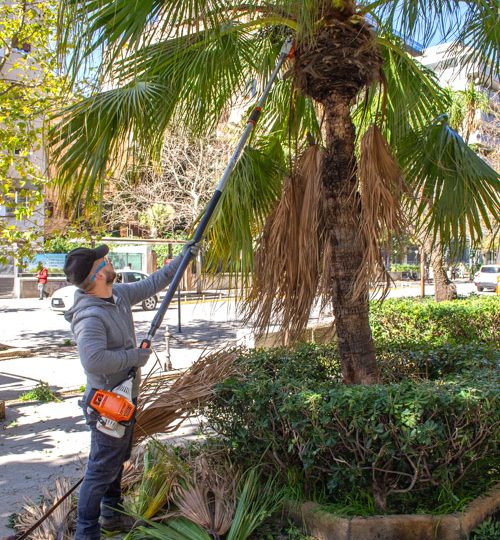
[[457, 526]]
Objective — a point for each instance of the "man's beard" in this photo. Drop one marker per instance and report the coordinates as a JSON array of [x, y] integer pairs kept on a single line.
[[110, 276]]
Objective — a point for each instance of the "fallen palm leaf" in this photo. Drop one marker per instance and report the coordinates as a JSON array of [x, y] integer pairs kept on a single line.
[[208, 496], [159, 470], [58, 524], [164, 405]]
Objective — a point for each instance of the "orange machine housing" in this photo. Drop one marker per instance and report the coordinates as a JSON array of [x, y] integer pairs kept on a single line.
[[113, 406]]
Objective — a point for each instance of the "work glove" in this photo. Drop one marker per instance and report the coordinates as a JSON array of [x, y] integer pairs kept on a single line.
[[192, 247], [143, 356]]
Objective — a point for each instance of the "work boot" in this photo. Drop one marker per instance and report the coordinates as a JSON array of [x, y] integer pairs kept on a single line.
[[117, 523]]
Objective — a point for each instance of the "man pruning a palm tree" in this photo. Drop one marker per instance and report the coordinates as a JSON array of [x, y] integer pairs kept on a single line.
[[379, 151], [101, 321]]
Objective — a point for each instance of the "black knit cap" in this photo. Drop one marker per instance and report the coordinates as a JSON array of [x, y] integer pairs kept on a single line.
[[80, 260]]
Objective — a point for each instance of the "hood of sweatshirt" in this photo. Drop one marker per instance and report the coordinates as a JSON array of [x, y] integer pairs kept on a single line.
[[84, 304]]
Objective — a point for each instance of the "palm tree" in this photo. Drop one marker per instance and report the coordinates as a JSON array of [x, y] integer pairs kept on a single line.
[[186, 62]]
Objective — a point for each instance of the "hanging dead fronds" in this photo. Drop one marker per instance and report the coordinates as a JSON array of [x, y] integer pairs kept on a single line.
[[381, 188], [164, 404], [57, 525], [287, 258], [208, 496]]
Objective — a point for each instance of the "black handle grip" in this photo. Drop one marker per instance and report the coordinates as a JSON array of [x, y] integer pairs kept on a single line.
[[145, 344]]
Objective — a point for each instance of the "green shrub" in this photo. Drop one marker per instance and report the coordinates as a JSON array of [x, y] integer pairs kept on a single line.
[[396, 267], [41, 392], [427, 361], [488, 530], [471, 320], [337, 440]]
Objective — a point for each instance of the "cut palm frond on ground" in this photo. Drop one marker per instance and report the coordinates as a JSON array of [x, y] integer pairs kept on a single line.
[[164, 405], [160, 468], [58, 524], [208, 495], [214, 504]]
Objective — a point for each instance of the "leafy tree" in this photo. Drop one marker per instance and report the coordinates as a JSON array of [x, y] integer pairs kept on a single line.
[[29, 87], [184, 62]]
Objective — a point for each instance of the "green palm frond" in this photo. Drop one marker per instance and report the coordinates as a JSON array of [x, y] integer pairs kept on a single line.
[[192, 77], [173, 529], [256, 502], [289, 115], [481, 37], [419, 20], [248, 198], [412, 93], [456, 190], [115, 28], [90, 139]]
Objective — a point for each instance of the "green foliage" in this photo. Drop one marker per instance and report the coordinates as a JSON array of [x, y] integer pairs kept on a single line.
[[162, 250], [471, 320], [273, 531], [290, 407], [60, 244], [42, 392], [29, 87], [257, 500], [396, 267], [488, 530], [160, 468]]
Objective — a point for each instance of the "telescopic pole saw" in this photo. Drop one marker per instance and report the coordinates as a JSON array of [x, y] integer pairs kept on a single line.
[[286, 52]]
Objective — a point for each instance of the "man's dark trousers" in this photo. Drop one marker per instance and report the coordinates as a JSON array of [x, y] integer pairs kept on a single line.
[[100, 493]]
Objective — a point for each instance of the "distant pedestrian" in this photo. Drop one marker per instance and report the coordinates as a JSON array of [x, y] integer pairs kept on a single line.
[[461, 270], [42, 278], [453, 272]]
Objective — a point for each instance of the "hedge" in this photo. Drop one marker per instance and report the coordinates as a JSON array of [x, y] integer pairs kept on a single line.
[[289, 410], [471, 320]]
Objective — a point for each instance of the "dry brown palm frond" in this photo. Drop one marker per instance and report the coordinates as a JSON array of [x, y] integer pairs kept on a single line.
[[208, 496], [133, 468], [164, 404], [287, 259], [57, 525], [381, 188]]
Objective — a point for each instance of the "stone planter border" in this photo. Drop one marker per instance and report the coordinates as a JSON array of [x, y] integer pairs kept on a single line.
[[457, 526]]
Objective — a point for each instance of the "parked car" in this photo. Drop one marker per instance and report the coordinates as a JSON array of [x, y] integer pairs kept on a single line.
[[64, 298], [487, 277]]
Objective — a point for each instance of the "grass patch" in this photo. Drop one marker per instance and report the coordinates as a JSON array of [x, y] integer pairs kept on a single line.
[[42, 392]]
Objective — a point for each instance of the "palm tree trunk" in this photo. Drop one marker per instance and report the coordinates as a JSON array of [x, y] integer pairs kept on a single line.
[[444, 288], [342, 221]]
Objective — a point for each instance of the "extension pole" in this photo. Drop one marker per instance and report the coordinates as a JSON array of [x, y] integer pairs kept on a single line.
[[286, 52]]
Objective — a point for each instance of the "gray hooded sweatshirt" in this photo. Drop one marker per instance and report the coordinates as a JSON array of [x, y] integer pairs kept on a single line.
[[104, 332]]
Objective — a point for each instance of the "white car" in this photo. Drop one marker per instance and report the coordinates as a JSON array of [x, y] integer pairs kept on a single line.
[[487, 277], [64, 298]]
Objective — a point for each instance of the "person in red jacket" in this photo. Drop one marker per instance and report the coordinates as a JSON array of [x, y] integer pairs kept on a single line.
[[42, 276]]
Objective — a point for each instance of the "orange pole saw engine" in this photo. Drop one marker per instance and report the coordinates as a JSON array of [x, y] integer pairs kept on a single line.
[[114, 407]]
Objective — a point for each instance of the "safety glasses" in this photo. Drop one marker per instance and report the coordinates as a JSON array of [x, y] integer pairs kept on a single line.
[[100, 267]]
